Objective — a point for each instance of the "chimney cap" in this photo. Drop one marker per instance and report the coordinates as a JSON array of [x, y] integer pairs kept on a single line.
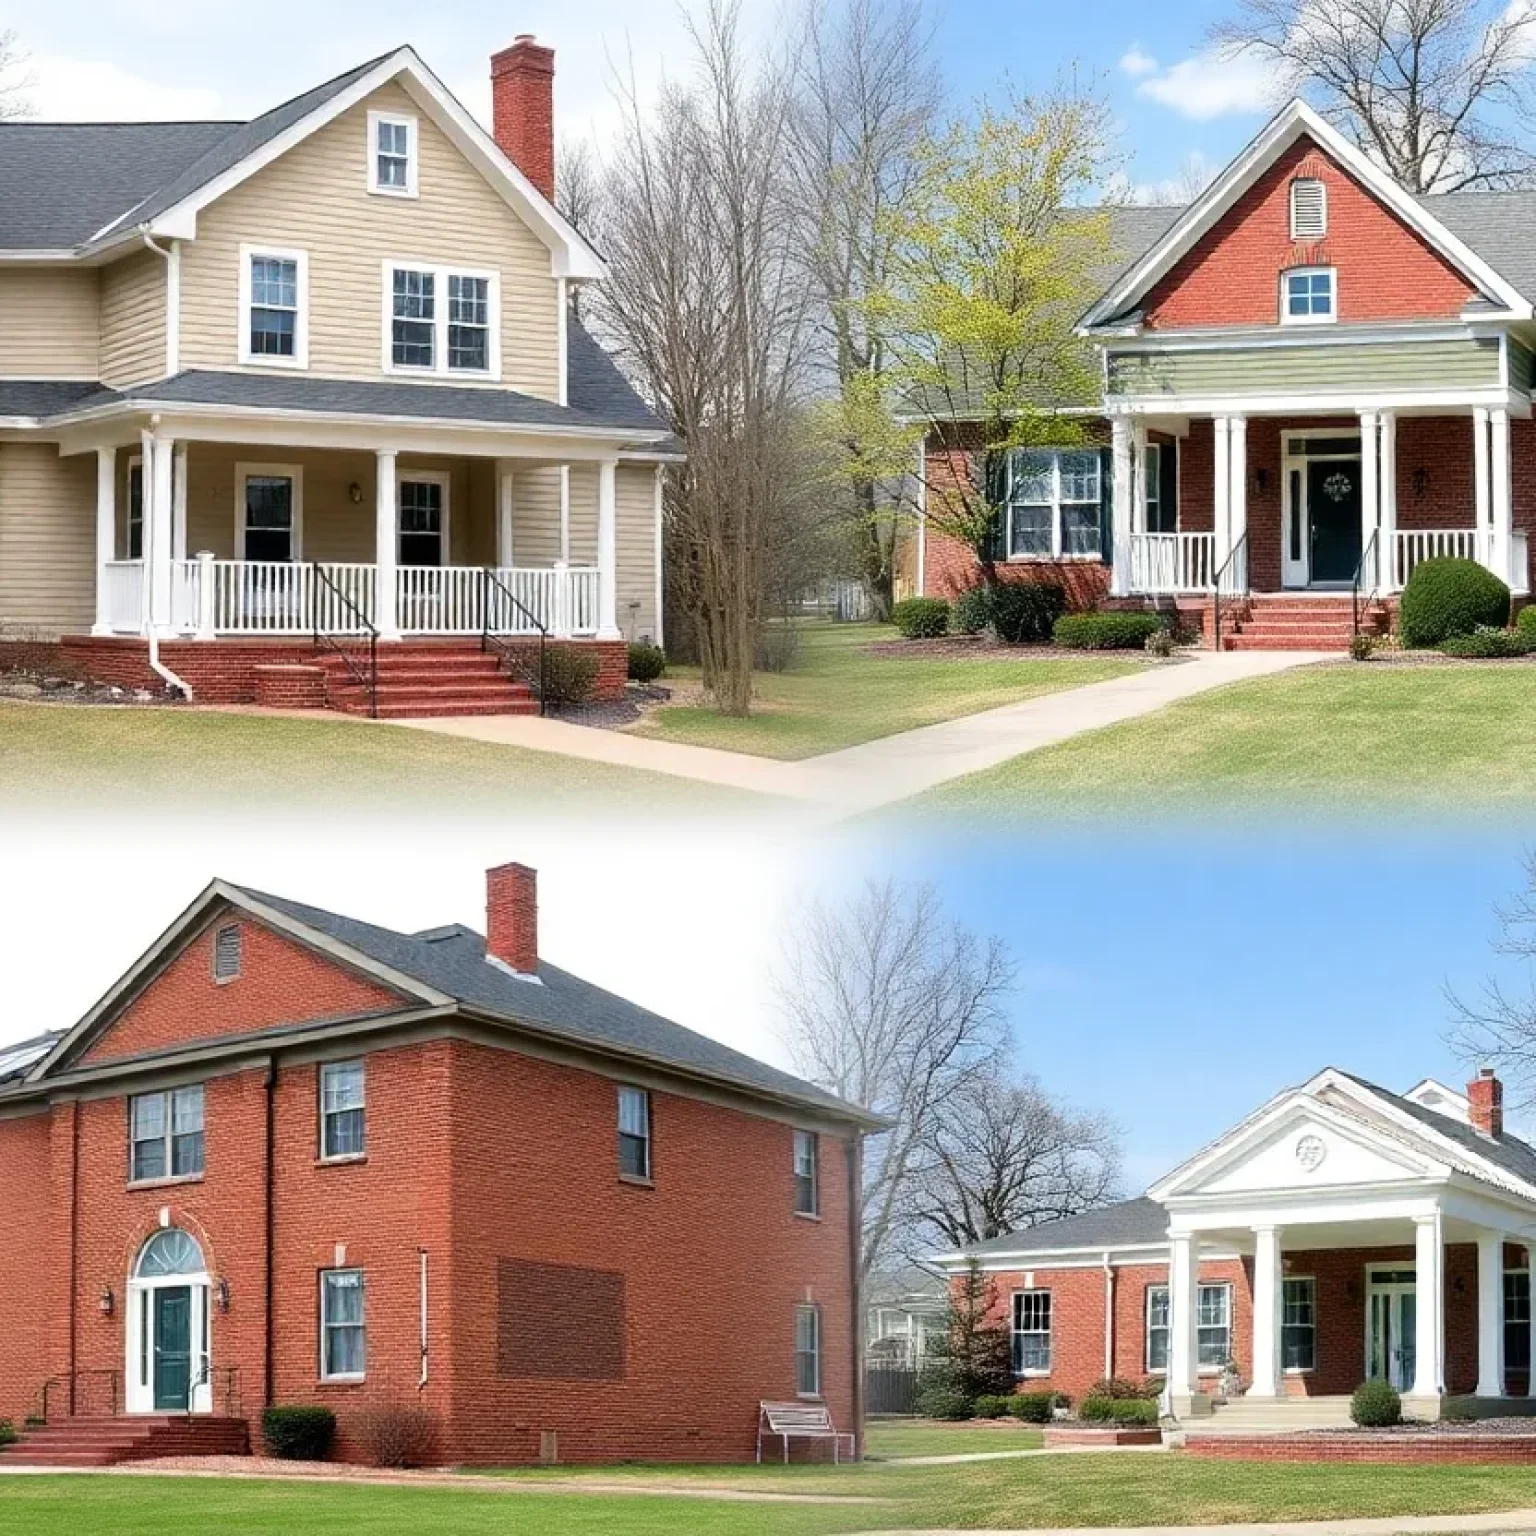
[[1487, 1073]]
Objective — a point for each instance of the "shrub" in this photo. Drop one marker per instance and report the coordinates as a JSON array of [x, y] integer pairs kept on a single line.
[[570, 675], [1376, 1405], [992, 1405], [1024, 611], [1362, 647], [1106, 631], [8, 1435], [1118, 1410], [397, 1435], [298, 1432], [1034, 1407], [921, 618], [1445, 597], [776, 648], [971, 612], [1160, 643], [1526, 623], [1123, 1389], [1490, 643], [646, 663], [945, 1402]]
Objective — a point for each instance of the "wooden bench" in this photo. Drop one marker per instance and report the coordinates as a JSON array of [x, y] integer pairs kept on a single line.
[[800, 1421]]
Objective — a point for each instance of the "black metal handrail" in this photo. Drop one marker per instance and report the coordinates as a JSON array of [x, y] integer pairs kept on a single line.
[[369, 679], [78, 1398], [1371, 544], [1225, 566], [491, 583]]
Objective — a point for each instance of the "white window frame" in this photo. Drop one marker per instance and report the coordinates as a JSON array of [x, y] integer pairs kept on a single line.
[[649, 1138], [326, 1325], [1224, 1286], [440, 321], [300, 259], [293, 472], [1148, 1330], [811, 1310], [377, 120], [1058, 551], [1016, 1332], [326, 1155], [814, 1142], [1322, 187], [168, 1096], [1287, 318], [1308, 1280], [135, 463], [439, 477]]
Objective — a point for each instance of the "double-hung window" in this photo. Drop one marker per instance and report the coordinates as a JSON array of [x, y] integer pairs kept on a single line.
[[1517, 1320], [413, 341], [1308, 296], [166, 1132], [1298, 1325], [469, 323], [342, 1342], [634, 1133], [1213, 1326], [342, 1123], [274, 302], [424, 521], [392, 160], [442, 321], [1055, 503], [808, 1351], [1031, 1333], [135, 529], [1158, 1327], [806, 1194]]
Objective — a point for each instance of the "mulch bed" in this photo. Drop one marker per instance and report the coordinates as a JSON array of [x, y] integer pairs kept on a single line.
[[43, 688], [1431, 659], [615, 714]]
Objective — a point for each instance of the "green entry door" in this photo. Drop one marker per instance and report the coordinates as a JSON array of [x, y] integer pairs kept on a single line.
[[1333, 510], [173, 1348]]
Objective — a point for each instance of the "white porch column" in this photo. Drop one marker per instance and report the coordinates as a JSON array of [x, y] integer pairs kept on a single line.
[[607, 550], [1183, 1294], [1123, 498], [504, 491], [1237, 500], [159, 453], [1482, 490], [1139, 475], [1490, 1314], [1387, 565], [386, 520], [1266, 1312], [106, 535], [1502, 500], [179, 504], [1370, 480], [1222, 489], [1429, 1330]]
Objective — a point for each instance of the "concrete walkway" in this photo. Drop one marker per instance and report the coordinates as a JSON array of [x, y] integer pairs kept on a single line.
[[879, 773], [1391, 1525]]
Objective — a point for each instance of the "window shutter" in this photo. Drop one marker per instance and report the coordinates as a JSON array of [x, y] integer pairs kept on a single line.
[[1107, 506], [1309, 210], [997, 493]]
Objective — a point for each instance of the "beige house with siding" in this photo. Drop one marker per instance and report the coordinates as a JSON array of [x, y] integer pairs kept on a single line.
[[288, 401]]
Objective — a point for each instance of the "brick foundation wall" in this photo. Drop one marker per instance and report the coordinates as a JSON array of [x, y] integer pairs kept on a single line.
[[1407, 1450], [292, 686]]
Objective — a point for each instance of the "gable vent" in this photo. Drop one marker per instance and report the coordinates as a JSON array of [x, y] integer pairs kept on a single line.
[[226, 953], [1309, 210]]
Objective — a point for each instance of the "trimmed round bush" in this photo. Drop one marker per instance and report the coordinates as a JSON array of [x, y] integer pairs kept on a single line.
[[1376, 1405], [1033, 1407], [971, 612], [1024, 611], [1446, 597], [646, 663], [298, 1431], [1490, 643], [945, 1403], [1526, 623], [1106, 631], [1118, 1410], [921, 618], [993, 1406]]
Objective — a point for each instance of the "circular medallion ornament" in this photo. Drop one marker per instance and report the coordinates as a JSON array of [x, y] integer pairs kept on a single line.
[[1310, 1152], [1338, 487]]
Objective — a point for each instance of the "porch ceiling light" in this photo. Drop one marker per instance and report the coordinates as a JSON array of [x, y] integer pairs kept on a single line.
[[108, 1301], [355, 493]]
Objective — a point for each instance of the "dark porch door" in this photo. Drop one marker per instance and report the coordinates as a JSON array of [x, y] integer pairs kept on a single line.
[[1333, 510], [173, 1348]]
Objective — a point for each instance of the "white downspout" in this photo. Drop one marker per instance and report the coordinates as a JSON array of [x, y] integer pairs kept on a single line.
[[423, 1255], [152, 523]]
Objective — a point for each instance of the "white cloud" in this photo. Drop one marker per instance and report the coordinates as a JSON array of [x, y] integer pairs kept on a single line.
[[1214, 84], [97, 90], [1137, 62]]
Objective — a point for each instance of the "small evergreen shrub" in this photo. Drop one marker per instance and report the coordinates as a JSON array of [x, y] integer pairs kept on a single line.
[[8, 1435], [1106, 631], [921, 618], [776, 648], [1376, 1405], [1526, 623], [971, 612], [1033, 1407], [646, 663], [1445, 597], [1494, 643], [570, 675], [1362, 647], [1118, 1410], [1023, 612], [993, 1406], [944, 1402], [298, 1431], [397, 1435]]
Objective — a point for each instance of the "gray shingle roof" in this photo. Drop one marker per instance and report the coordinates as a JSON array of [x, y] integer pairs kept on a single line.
[[452, 960], [1131, 1223], [1499, 226], [595, 384], [45, 397]]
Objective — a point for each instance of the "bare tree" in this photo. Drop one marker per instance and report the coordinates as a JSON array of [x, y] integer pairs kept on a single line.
[[1436, 91], [866, 95], [1002, 1154], [891, 1005], [15, 78]]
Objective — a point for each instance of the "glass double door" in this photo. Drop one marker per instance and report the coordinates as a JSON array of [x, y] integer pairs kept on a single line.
[[1392, 1329]]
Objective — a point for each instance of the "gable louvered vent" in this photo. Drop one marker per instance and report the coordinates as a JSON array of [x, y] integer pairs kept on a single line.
[[226, 953], [1309, 210]]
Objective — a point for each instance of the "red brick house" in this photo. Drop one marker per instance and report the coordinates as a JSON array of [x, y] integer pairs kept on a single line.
[[296, 1158], [1311, 382], [1340, 1233]]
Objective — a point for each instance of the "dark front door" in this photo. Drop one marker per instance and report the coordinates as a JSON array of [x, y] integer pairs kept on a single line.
[[173, 1348], [1333, 510]]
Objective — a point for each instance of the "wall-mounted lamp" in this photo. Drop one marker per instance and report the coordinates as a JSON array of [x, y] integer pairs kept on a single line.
[[1261, 480], [223, 1295], [1352, 1290], [1420, 482], [355, 493], [1460, 1285], [108, 1301]]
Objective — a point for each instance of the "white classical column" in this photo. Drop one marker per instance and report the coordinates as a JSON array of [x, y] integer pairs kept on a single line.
[[1123, 498], [1222, 489], [1266, 1312], [1183, 1293], [179, 504], [385, 533], [504, 503], [607, 550], [1370, 478], [106, 535], [1387, 565], [1501, 505], [1429, 1330], [1482, 491], [1237, 503], [159, 454], [1490, 1314]]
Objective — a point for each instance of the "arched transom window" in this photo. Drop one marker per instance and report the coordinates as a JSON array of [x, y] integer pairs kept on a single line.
[[171, 1252]]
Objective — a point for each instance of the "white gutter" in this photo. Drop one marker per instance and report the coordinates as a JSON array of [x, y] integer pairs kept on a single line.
[[420, 1384]]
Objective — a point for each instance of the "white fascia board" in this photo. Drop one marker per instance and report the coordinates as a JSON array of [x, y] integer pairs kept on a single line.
[[1044, 1258], [1289, 124], [1338, 402]]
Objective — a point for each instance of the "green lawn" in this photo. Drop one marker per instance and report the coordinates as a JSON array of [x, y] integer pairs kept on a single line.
[[1360, 739], [837, 694], [897, 1437], [127, 755]]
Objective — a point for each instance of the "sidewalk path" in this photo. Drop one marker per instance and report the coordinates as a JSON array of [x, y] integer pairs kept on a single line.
[[1511, 1520], [879, 773]]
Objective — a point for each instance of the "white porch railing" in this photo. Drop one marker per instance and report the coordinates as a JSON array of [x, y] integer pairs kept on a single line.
[[1416, 544], [1166, 564], [125, 594]]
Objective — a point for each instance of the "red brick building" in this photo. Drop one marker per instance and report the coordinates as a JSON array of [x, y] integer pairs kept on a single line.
[[1340, 1233], [1311, 382], [296, 1158]]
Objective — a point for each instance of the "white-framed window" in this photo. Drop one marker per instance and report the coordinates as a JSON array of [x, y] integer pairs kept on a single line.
[[1158, 1329], [1031, 1333], [1309, 208], [343, 1351], [1517, 1320], [269, 512], [634, 1132], [1213, 1326], [227, 952], [1308, 296], [343, 1125], [441, 320], [274, 307], [808, 1351], [423, 511], [166, 1135], [1298, 1324], [392, 157], [133, 545], [807, 1196], [1055, 503]]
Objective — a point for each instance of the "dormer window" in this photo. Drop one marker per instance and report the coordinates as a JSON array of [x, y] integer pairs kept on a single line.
[[392, 154], [1308, 297], [1309, 209]]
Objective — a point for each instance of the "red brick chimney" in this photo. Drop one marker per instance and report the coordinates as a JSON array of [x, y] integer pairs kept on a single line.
[[523, 109], [1485, 1096], [512, 917]]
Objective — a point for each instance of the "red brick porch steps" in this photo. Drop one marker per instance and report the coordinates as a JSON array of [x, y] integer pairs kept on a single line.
[[433, 680], [1282, 623], [104, 1442]]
